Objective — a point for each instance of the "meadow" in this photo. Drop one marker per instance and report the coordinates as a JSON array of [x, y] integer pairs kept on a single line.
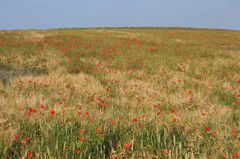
[[134, 93]]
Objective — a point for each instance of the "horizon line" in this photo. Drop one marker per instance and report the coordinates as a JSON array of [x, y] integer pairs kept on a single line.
[[116, 27]]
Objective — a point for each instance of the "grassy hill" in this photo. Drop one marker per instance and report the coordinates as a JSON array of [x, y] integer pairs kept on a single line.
[[120, 93]]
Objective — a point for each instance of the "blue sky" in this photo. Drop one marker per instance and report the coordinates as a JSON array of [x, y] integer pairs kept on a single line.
[[43, 14]]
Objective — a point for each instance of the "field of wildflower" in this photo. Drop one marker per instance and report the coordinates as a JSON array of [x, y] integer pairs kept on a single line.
[[133, 93]]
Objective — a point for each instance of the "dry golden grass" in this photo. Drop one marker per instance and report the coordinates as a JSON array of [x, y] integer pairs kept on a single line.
[[169, 93]]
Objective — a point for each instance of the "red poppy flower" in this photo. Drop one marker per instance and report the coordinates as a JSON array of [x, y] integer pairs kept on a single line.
[[28, 139], [134, 120], [87, 113], [165, 152], [224, 155], [78, 152], [139, 124], [81, 131], [102, 104], [29, 154], [99, 130], [214, 134], [52, 112], [81, 139], [238, 81], [16, 137], [172, 110], [174, 120], [79, 113], [32, 110], [236, 154], [237, 102], [113, 122], [238, 95], [127, 146], [234, 131], [207, 129]]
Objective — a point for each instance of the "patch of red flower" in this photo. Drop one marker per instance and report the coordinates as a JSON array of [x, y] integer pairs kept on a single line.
[[238, 81], [174, 120], [87, 113], [81, 131], [224, 155], [52, 112], [127, 146], [30, 111], [102, 104], [172, 110], [206, 129], [25, 141], [98, 130], [139, 124], [29, 154], [237, 102], [113, 122], [81, 139], [234, 131], [134, 120], [28, 139], [214, 134], [165, 152], [238, 95], [78, 152], [236, 154]]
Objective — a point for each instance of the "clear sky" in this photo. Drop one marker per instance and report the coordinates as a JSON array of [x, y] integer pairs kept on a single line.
[[43, 14]]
